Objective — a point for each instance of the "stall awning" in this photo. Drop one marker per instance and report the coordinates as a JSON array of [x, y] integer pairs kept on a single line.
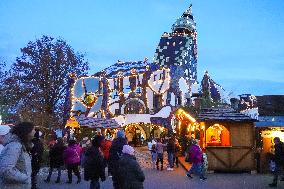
[[269, 124], [94, 122]]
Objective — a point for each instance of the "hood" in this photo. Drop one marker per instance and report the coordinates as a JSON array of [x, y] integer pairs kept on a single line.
[[11, 138]]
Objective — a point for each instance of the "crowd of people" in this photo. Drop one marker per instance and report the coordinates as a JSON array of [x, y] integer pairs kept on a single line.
[[22, 148]]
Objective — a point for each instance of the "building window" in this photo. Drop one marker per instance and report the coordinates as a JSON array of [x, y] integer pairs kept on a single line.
[[217, 135], [117, 111], [167, 59], [155, 77], [157, 101], [178, 100], [134, 107]]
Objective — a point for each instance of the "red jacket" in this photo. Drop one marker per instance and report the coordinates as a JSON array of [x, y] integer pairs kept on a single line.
[[105, 147]]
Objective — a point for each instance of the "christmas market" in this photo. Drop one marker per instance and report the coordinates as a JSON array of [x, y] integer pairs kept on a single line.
[[111, 115]]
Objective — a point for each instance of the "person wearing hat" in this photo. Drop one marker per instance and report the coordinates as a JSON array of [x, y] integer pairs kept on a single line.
[[132, 176], [115, 153], [4, 130]]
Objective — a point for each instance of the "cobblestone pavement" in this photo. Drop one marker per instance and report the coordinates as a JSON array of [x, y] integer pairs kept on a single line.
[[173, 179]]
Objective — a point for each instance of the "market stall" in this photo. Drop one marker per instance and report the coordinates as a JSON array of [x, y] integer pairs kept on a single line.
[[229, 139], [266, 131], [91, 125]]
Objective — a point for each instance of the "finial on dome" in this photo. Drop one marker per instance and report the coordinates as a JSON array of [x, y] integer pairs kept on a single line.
[[188, 12], [185, 24]]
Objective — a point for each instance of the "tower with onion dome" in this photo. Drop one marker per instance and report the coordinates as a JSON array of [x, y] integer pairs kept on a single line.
[[178, 49]]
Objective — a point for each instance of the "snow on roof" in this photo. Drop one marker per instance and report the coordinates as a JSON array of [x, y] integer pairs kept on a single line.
[[125, 68], [195, 88], [164, 112], [120, 119], [137, 118], [142, 118], [225, 97], [96, 122]]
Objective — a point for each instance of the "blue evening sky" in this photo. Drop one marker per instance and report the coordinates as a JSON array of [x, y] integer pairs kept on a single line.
[[240, 42]]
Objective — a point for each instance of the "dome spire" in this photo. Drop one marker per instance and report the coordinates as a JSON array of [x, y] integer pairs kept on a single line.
[[185, 24], [188, 12]]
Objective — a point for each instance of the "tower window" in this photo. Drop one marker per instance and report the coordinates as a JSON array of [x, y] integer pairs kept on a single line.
[[167, 59]]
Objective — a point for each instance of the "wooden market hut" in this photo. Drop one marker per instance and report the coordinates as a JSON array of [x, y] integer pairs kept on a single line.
[[229, 139], [105, 125], [265, 132]]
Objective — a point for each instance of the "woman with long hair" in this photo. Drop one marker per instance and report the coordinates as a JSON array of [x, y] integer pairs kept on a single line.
[[15, 160]]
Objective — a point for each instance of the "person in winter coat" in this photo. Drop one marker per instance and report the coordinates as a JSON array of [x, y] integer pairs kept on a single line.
[[114, 155], [160, 153], [177, 149], [278, 158], [196, 158], [94, 164], [4, 130], [72, 160], [131, 172], [105, 148], [56, 159], [15, 161], [171, 152], [36, 152]]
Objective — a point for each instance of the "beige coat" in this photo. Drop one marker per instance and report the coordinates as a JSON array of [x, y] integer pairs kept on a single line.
[[15, 165]]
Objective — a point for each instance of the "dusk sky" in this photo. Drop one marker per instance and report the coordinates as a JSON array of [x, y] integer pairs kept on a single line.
[[240, 42]]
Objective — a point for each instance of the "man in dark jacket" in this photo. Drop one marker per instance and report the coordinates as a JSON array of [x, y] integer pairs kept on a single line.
[[114, 155], [36, 152], [94, 164], [56, 159], [132, 176], [278, 159], [171, 152]]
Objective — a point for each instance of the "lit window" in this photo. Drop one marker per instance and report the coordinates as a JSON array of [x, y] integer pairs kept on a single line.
[[217, 135]]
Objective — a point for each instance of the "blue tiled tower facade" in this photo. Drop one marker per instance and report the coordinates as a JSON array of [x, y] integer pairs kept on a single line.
[[177, 50]]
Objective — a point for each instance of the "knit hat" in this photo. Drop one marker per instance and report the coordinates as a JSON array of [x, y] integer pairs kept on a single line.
[[128, 150], [120, 134], [4, 129]]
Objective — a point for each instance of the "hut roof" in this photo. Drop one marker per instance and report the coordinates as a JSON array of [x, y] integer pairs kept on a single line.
[[125, 68], [222, 114], [96, 122]]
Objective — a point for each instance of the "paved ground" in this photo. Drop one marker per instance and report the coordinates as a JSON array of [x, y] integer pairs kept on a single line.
[[175, 180]]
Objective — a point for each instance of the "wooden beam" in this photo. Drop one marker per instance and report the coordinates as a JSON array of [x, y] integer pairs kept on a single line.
[[243, 157], [215, 155]]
